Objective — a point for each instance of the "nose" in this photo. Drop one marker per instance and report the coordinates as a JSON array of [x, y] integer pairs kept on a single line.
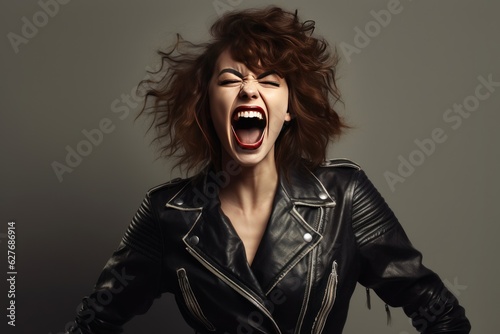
[[249, 89]]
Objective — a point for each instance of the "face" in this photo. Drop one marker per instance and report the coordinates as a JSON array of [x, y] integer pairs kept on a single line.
[[248, 110]]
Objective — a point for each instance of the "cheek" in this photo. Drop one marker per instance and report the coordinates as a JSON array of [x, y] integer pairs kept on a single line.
[[220, 101], [280, 104], [218, 111], [286, 97]]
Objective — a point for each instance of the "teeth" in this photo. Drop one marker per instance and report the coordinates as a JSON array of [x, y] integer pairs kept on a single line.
[[250, 114]]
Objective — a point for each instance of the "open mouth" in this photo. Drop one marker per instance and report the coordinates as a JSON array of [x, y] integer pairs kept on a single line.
[[248, 124]]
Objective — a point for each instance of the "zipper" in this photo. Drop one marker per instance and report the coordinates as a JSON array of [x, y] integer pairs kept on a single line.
[[190, 300], [236, 287], [307, 293], [309, 281], [328, 301]]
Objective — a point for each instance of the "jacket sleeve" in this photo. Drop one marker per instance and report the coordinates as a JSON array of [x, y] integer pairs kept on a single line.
[[394, 270], [130, 280]]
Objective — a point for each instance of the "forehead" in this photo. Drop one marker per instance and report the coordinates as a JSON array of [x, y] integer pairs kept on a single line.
[[226, 60]]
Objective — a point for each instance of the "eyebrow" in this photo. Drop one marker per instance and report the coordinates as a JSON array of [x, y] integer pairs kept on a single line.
[[239, 75], [232, 71]]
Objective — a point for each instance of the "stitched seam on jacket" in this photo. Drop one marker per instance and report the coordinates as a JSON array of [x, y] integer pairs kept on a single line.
[[156, 219], [141, 237], [360, 221]]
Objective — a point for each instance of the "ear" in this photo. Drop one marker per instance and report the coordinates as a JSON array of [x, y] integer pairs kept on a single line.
[[288, 117]]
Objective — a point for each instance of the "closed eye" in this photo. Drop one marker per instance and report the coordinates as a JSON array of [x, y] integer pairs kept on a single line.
[[272, 83], [229, 82]]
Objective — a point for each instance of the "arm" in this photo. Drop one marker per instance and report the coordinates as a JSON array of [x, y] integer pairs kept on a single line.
[[129, 282], [393, 268]]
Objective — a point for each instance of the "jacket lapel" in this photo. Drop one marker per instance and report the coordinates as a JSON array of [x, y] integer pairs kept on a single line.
[[291, 235], [211, 237]]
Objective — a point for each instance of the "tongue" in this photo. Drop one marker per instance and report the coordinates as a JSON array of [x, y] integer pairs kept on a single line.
[[248, 136]]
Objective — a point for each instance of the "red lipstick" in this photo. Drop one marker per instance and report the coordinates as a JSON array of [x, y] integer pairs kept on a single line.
[[245, 121]]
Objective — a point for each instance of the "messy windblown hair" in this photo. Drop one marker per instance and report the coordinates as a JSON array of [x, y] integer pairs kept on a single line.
[[269, 38]]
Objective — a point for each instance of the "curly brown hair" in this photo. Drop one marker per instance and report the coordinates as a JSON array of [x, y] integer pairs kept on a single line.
[[268, 38]]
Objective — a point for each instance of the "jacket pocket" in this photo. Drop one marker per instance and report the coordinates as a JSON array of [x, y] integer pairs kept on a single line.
[[328, 301], [190, 300]]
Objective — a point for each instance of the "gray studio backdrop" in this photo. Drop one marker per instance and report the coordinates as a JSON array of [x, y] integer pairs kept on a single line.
[[420, 81]]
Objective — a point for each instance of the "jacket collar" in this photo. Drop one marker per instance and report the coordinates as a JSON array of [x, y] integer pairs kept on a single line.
[[288, 238], [301, 188], [304, 188]]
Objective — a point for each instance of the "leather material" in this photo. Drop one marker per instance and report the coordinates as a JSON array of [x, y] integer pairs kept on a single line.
[[328, 230]]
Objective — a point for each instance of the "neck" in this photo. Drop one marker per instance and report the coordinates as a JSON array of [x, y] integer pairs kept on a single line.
[[252, 186]]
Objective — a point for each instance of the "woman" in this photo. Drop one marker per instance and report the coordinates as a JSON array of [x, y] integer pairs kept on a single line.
[[268, 236]]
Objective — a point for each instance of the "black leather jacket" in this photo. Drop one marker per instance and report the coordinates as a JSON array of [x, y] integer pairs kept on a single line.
[[329, 229]]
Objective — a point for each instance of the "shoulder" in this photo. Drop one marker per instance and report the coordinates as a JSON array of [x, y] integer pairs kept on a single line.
[[337, 168], [167, 186], [163, 192], [339, 163], [338, 175]]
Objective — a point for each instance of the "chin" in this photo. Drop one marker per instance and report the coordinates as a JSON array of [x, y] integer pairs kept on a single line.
[[250, 157]]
